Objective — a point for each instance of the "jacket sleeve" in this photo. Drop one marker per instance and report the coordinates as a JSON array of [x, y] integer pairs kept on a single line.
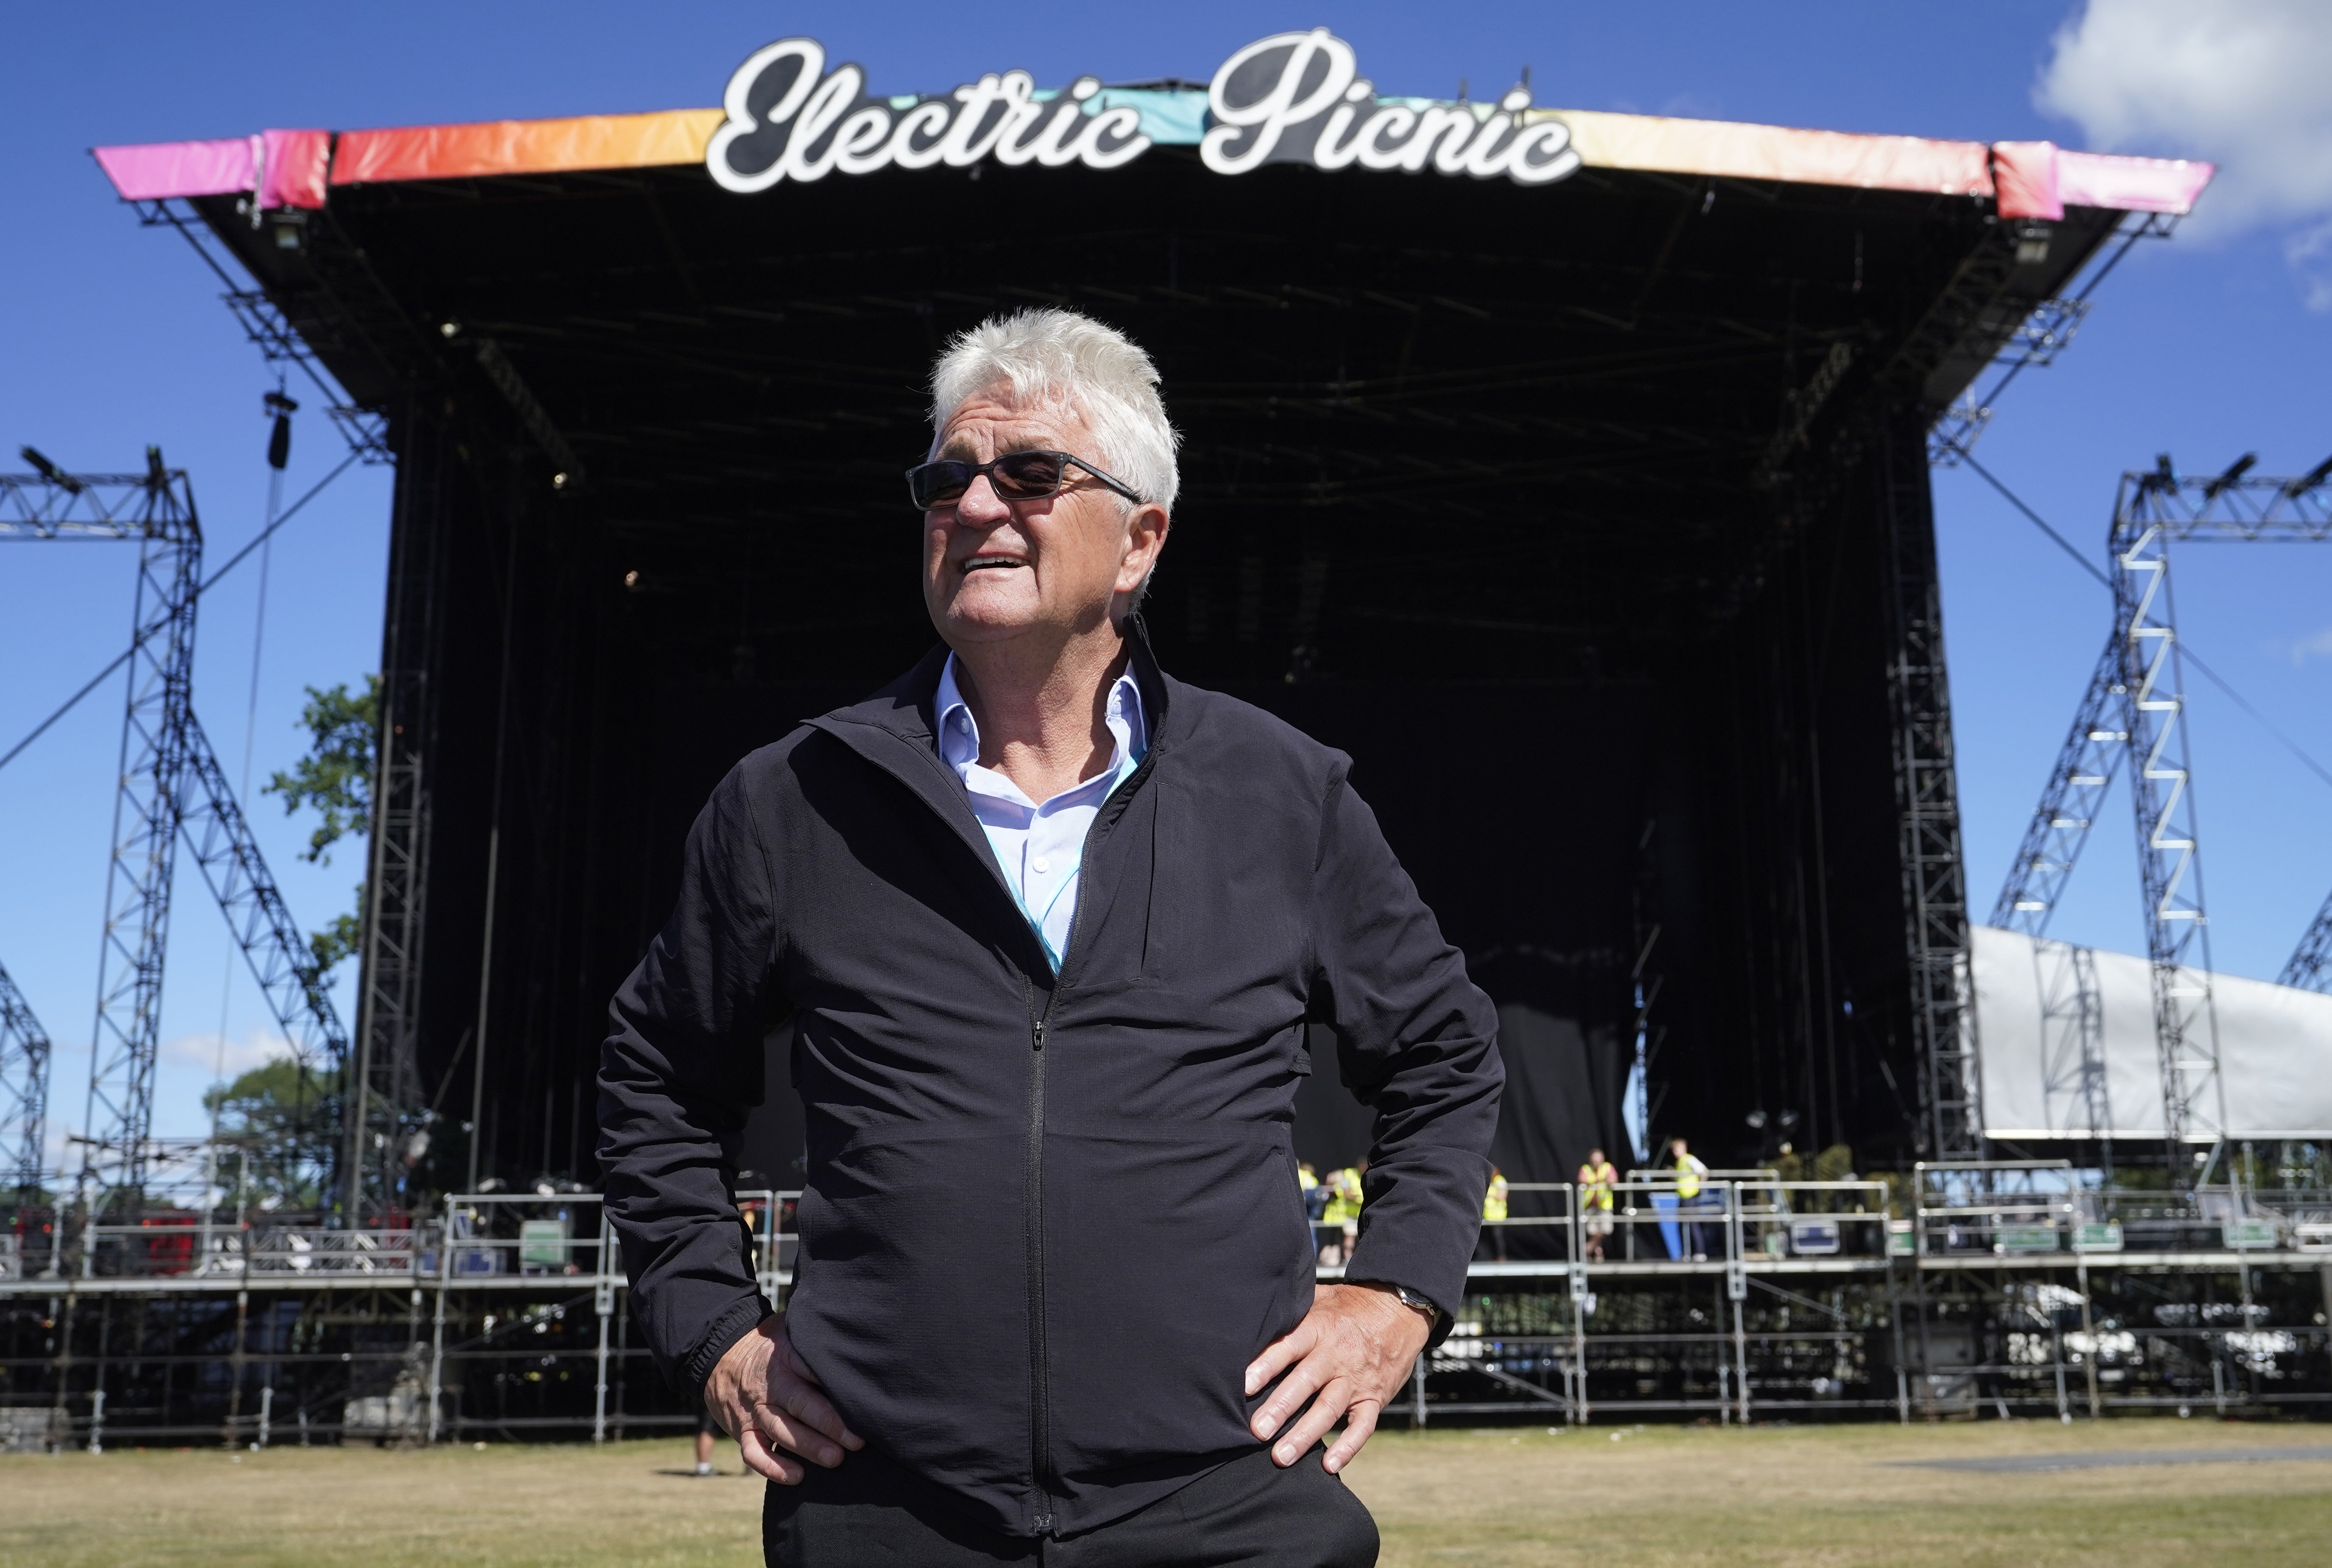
[[1417, 1043], [681, 1065]]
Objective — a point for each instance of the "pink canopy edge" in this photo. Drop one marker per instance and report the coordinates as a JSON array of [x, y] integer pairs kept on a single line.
[[2038, 179], [284, 169], [2032, 179]]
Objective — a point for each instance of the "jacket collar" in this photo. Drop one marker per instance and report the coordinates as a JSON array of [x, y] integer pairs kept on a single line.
[[895, 730]]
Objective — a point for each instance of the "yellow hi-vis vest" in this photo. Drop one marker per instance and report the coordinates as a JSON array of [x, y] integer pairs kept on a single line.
[[1305, 1180], [1343, 1198], [1595, 1186], [1494, 1203], [1687, 1173]]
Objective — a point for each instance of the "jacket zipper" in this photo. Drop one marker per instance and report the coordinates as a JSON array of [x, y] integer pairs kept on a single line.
[[1039, 1385], [1039, 1420]]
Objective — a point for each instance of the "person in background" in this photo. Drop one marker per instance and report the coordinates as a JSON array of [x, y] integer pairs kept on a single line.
[[1343, 1211], [1689, 1173], [1595, 1180], [1494, 1215], [1316, 1197], [706, 1430]]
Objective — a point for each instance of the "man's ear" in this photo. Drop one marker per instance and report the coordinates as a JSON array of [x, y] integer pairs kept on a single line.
[[1145, 538]]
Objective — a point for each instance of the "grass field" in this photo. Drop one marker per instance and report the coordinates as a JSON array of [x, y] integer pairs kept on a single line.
[[1663, 1497]]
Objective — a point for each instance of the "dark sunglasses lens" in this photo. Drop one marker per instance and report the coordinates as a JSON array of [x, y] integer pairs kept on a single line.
[[939, 483], [1021, 475]]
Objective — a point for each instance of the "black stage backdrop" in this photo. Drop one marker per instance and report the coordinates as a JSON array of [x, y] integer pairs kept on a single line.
[[1516, 809]]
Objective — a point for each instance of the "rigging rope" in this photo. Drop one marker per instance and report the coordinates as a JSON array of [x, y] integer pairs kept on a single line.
[[279, 453], [2186, 646], [235, 560]]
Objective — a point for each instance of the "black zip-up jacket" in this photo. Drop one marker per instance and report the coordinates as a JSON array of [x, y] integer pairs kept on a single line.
[[1048, 1221]]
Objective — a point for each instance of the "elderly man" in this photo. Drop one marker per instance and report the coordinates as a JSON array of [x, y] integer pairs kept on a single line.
[[1050, 927]]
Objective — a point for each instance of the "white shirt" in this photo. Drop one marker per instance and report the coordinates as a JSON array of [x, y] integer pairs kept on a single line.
[[1040, 847]]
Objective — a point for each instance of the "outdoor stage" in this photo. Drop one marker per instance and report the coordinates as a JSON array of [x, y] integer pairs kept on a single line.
[[1608, 474], [1596, 467]]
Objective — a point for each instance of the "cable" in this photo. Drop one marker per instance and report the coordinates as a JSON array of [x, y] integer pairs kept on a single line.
[[243, 790], [206, 585], [2289, 744], [2185, 647], [2084, 562]]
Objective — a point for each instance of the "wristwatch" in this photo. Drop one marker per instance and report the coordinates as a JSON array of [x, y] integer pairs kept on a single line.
[[1409, 1297]]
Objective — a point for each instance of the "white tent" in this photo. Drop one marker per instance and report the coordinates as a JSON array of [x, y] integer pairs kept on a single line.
[[2066, 1039]]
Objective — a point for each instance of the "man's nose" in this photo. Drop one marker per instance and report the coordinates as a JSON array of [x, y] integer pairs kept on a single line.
[[979, 506]]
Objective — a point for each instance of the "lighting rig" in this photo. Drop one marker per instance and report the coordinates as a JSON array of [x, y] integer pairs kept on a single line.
[[171, 790], [2135, 707]]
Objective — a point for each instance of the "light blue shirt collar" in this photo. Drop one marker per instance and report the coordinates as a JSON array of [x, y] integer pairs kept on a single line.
[[1040, 846], [959, 731]]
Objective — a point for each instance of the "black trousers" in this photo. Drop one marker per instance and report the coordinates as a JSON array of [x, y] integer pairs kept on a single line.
[[870, 1511]]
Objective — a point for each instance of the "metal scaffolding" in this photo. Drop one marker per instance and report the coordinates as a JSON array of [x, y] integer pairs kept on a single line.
[[156, 509], [2151, 510], [387, 1106], [2310, 968], [2138, 684], [23, 1091], [228, 858], [171, 786], [2069, 805], [1935, 881]]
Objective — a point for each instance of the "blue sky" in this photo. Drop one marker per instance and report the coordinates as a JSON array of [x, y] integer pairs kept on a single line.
[[2210, 345]]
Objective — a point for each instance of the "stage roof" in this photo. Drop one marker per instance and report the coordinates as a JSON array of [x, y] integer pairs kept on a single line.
[[298, 169], [718, 314], [1634, 430]]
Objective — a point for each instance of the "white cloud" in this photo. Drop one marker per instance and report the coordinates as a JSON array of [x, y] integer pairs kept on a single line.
[[2315, 645], [2245, 83], [2309, 252], [255, 1048]]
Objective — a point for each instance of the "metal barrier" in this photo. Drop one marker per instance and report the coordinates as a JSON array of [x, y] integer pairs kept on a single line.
[[496, 1312], [2001, 1207]]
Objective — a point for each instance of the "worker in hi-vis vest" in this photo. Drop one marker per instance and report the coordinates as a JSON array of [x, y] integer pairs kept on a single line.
[[1689, 1171], [1344, 1210], [1494, 1217], [1595, 1180], [1315, 1200]]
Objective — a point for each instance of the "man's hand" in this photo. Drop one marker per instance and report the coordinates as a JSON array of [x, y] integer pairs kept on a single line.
[[1354, 1349], [762, 1395]]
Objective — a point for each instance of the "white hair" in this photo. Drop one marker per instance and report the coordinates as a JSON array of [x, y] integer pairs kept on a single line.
[[1068, 360]]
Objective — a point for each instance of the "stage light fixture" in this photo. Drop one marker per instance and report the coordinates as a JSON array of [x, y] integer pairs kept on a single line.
[[2308, 481], [2235, 471], [50, 472], [279, 440]]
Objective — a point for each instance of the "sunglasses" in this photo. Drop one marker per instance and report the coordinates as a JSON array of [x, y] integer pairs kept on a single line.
[[1017, 477]]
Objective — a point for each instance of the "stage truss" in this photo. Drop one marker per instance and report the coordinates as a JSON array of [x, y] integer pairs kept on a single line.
[[2134, 706]]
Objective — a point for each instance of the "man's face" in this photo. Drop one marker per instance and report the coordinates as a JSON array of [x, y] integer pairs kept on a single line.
[[995, 569]]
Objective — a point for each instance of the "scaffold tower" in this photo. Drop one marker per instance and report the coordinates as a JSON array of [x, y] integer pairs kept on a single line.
[[23, 1091], [2135, 703], [156, 509], [170, 786]]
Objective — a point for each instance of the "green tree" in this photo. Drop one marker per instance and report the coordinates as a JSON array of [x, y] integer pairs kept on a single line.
[[335, 780], [281, 1117]]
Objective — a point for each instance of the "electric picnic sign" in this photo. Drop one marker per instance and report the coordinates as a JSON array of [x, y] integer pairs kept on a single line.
[[1290, 98]]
